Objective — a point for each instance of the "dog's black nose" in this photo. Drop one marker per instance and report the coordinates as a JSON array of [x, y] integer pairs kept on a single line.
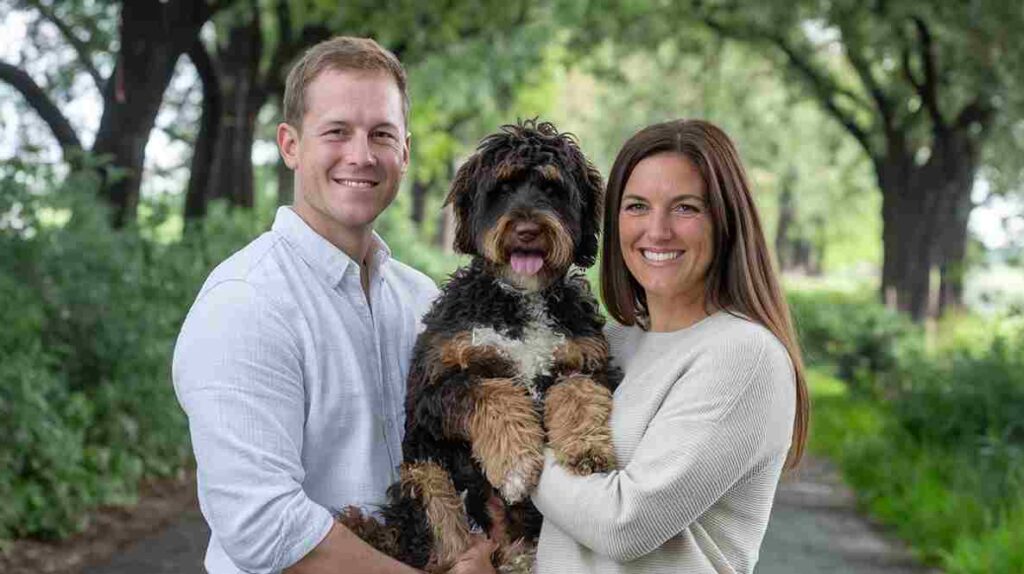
[[527, 231]]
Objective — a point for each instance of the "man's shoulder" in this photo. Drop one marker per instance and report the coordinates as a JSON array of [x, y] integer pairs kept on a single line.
[[410, 280], [246, 263], [245, 280]]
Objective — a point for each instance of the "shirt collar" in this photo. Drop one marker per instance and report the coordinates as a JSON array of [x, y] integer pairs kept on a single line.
[[320, 254]]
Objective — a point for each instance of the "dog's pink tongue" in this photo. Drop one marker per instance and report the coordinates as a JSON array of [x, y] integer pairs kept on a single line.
[[527, 263]]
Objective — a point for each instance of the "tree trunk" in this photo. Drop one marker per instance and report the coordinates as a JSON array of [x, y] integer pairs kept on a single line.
[[153, 35], [419, 201], [285, 183], [197, 194], [959, 164], [243, 96], [784, 248], [445, 236], [924, 216]]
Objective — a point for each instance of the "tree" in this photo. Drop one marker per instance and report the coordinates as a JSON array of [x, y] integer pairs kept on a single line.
[[918, 85], [255, 43], [803, 168], [152, 35]]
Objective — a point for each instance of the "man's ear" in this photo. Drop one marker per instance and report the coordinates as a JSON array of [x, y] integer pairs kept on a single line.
[[288, 144], [406, 153]]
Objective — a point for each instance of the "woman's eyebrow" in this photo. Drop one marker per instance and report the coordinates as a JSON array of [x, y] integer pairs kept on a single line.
[[673, 200]]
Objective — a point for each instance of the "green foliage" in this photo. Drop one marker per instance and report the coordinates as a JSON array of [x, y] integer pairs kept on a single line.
[[967, 396], [935, 448], [406, 245], [90, 316], [789, 147], [861, 338]]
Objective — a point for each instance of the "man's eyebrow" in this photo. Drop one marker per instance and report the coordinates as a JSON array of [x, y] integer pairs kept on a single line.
[[329, 122]]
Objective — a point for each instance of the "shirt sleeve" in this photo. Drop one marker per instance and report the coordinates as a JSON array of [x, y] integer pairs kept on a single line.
[[238, 376], [714, 426]]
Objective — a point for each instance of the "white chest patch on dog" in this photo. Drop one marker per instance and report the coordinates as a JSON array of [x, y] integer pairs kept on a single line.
[[534, 353]]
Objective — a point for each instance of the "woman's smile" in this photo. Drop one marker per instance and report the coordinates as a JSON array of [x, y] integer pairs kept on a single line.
[[665, 232]]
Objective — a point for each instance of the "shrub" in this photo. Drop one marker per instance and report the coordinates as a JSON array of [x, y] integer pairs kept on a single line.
[[859, 336], [90, 315]]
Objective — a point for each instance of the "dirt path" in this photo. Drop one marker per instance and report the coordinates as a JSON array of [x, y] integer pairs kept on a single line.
[[814, 528]]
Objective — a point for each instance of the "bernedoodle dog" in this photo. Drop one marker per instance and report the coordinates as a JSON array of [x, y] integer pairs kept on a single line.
[[512, 359]]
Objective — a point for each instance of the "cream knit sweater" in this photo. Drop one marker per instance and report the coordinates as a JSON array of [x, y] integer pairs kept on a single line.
[[701, 425]]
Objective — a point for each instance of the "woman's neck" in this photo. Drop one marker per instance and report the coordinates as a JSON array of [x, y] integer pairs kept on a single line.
[[676, 313]]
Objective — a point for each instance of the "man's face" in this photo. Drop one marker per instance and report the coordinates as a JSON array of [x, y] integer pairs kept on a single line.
[[352, 152]]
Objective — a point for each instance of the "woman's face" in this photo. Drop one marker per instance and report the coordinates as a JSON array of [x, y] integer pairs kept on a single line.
[[665, 229]]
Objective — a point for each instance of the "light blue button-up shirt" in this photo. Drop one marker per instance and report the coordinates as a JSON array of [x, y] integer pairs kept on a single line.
[[294, 387]]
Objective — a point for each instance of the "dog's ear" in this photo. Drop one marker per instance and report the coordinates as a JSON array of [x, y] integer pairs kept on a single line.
[[461, 197], [591, 190]]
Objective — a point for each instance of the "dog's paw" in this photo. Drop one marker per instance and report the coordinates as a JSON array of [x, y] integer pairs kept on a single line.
[[583, 354], [589, 456], [521, 478]]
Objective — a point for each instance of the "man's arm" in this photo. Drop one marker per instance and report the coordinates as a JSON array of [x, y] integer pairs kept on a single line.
[[238, 375], [342, 551]]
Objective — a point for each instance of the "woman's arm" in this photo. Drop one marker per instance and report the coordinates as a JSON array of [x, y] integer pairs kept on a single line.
[[714, 426]]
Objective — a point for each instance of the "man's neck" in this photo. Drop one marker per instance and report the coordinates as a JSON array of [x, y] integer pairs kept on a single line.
[[353, 242]]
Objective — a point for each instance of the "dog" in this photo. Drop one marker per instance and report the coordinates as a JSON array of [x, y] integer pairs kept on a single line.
[[512, 358]]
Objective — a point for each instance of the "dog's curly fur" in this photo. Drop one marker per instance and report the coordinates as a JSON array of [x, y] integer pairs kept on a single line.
[[512, 358]]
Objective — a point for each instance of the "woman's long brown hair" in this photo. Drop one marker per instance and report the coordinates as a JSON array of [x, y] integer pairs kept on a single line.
[[741, 278]]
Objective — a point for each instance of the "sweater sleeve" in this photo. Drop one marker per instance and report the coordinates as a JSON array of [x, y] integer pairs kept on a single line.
[[720, 418], [238, 376]]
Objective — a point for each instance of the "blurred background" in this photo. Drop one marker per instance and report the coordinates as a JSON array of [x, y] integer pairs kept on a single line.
[[884, 139]]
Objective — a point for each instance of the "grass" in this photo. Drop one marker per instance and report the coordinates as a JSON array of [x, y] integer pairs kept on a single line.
[[933, 496]]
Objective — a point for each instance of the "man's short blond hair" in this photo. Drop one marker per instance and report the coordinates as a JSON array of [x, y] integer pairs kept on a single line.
[[339, 53]]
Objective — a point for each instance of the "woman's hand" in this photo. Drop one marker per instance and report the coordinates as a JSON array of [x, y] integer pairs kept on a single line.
[[476, 560]]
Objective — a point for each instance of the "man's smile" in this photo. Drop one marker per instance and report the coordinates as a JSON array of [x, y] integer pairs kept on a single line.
[[355, 182]]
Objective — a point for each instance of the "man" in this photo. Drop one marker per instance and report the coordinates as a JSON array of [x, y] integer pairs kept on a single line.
[[291, 364]]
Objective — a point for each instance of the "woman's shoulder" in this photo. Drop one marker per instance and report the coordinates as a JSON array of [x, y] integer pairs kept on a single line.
[[735, 335]]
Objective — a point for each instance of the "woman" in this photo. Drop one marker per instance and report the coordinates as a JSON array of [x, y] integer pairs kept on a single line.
[[713, 405]]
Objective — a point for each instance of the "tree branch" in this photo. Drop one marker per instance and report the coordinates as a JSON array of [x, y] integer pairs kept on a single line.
[[854, 53], [978, 112], [928, 88], [827, 93], [283, 51], [83, 51], [44, 106], [825, 88]]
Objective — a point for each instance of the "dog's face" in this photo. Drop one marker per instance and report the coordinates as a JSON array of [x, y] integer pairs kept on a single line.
[[529, 203]]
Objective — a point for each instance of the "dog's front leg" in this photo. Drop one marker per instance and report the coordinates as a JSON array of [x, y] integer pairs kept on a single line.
[[506, 436], [459, 352], [577, 414]]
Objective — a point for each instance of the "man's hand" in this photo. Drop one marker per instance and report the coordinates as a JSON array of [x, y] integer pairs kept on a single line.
[[476, 560]]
